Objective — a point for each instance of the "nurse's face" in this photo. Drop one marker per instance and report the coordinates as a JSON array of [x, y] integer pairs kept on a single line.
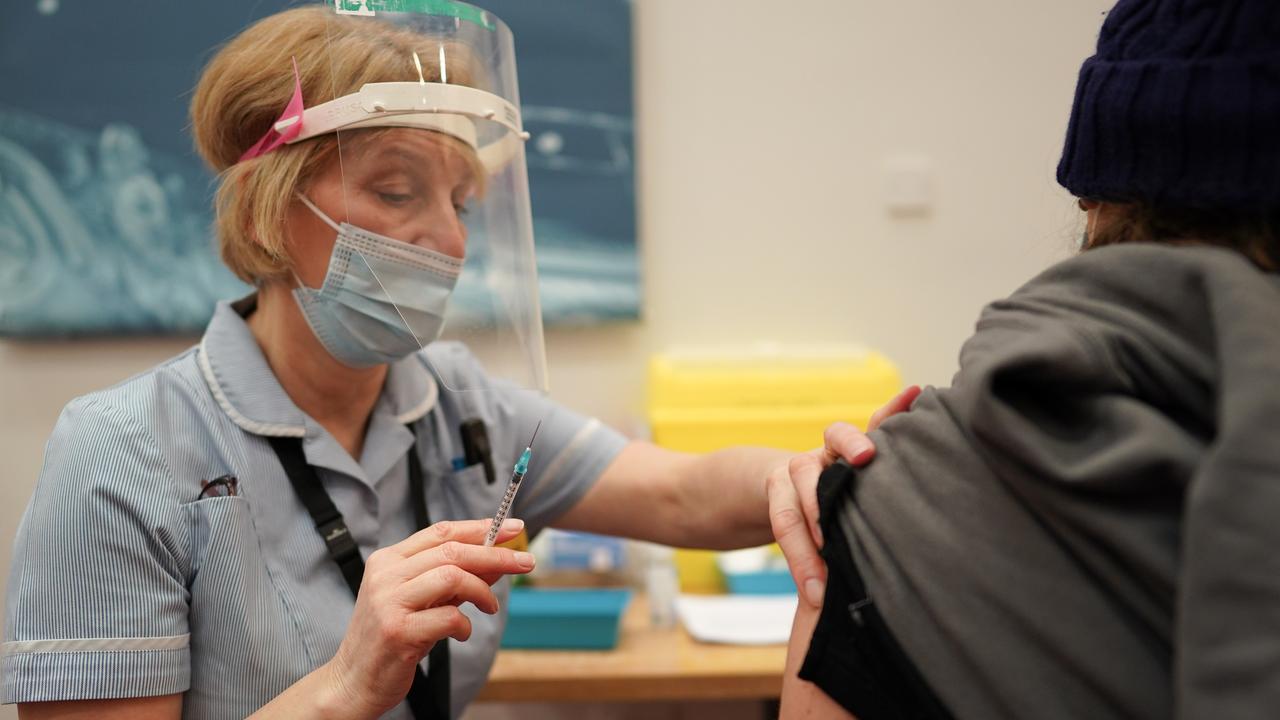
[[406, 184]]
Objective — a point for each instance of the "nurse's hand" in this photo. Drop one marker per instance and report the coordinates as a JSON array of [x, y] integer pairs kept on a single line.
[[408, 602], [793, 495]]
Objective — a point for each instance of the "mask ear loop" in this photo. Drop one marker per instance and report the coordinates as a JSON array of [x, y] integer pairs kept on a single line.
[[327, 221], [319, 213]]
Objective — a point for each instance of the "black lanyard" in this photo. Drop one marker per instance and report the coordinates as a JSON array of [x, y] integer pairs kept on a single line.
[[429, 694]]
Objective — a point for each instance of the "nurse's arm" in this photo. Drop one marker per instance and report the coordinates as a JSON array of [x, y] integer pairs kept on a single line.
[[717, 500], [312, 696], [162, 707]]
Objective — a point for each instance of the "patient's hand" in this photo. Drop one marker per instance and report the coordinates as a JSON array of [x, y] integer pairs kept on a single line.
[[801, 699], [793, 495]]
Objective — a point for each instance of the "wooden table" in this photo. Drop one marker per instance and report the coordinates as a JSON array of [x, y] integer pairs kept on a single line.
[[648, 664]]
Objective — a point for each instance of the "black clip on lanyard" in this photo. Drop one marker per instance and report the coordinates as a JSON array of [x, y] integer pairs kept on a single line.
[[476, 448], [429, 695]]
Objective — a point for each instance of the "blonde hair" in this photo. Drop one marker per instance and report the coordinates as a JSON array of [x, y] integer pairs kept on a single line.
[[245, 87]]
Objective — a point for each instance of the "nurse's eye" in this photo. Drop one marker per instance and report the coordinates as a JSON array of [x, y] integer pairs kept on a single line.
[[461, 209], [393, 198]]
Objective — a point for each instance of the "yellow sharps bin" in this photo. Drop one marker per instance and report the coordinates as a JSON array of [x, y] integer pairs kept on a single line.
[[704, 401]]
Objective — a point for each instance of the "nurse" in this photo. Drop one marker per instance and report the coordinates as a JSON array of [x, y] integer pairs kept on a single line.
[[198, 533]]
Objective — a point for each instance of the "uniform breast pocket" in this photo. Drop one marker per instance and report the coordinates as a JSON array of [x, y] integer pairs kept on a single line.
[[222, 534], [470, 494], [228, 580], [242, 623], [471, 477]]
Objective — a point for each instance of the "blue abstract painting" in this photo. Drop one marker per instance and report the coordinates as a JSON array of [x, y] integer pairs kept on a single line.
[[105, 209]]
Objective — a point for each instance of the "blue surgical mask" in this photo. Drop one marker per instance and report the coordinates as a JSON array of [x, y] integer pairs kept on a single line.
[[381, 300]]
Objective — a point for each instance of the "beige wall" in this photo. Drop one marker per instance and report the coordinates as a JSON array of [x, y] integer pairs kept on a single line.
[[763, 132]]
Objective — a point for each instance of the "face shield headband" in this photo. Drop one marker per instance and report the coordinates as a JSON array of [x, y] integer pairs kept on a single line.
[[449, 109]]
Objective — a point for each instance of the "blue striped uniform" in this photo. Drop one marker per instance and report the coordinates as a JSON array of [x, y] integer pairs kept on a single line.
[[125, 584]]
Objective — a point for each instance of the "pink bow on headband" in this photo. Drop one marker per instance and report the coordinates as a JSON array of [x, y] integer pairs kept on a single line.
[[290, 120]]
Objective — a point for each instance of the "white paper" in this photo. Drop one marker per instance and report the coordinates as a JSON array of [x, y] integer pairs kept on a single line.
[[738, 619]]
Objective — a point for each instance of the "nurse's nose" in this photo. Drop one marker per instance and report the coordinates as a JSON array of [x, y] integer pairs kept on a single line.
[[441, 228]]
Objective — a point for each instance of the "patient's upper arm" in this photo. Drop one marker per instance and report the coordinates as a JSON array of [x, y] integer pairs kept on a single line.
[[802, 699]]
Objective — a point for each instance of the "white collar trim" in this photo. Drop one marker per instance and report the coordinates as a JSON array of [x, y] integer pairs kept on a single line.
[[253, 426], [416, 413]]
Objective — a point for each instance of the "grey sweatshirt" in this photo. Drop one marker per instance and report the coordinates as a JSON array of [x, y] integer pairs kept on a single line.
[[1087, 523]]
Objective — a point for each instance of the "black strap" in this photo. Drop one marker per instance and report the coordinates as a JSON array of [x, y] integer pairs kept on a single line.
[[434, 687], [330, 524], [429, 695], [417, 485]]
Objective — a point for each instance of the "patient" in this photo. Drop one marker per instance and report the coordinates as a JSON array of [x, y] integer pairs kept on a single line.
[[1085, 524]]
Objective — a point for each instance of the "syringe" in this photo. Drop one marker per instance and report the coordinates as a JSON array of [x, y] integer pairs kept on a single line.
[[522, 467]]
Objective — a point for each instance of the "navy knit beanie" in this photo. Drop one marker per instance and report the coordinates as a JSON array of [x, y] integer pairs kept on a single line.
[[1180, 107]]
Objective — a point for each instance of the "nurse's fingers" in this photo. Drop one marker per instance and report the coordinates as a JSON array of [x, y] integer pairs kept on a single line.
[[804, 471], [842, 440], [464, 531], [791, 530], [490, 578], [901, 403], [475, 559], [438, 624], [446, 585]]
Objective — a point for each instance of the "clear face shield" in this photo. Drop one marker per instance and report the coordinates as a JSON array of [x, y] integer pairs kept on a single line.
[[437, 228]]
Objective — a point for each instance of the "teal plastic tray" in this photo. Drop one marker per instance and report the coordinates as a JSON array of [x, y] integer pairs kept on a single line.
[[564, 619], [764, 582]]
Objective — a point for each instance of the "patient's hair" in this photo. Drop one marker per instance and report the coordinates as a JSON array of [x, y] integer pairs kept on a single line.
[[1254, 234], [247, 84]]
